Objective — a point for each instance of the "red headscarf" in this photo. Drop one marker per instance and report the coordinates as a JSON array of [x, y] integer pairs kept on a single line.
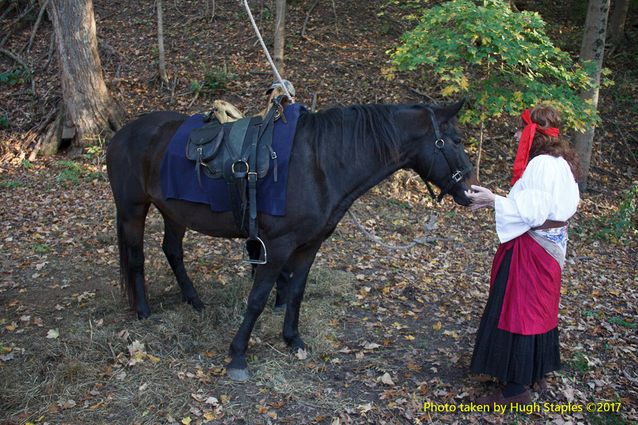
[[525, 143]]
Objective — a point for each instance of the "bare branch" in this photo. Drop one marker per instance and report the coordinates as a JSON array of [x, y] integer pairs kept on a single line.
[[305, 22], [37, 24]]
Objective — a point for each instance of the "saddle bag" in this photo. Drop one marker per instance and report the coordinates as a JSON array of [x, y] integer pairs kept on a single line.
[[204, 143]]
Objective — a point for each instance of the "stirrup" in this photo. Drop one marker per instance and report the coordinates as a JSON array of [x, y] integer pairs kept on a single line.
[[263, 254]]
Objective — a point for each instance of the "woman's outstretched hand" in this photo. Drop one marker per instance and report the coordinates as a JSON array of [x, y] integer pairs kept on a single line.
[[481, 197]]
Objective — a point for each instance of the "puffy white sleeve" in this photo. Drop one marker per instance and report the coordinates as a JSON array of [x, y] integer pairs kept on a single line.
[[546, 191]]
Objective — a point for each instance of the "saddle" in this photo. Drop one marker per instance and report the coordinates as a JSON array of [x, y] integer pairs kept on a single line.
[[240, 152]]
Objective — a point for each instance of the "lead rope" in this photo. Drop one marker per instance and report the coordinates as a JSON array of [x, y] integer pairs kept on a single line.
[[428, 227], [263, 45]]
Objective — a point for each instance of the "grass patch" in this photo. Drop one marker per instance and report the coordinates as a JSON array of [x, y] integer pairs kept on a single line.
[[88, 366], [579, 362], [71, 172], [41, 248], [217, 78], [11, 184], [616, 320], [605, 419], [14, 77]]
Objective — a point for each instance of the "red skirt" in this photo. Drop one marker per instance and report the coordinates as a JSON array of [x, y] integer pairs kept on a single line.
[[532, 294]]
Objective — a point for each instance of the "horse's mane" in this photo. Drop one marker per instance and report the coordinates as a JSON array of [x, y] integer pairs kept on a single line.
[[351, 127]]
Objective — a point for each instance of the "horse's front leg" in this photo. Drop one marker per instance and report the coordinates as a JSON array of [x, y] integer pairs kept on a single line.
[[265, 277], [299, 263]]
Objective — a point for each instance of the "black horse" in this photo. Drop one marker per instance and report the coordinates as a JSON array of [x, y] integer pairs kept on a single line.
[[337, 156]]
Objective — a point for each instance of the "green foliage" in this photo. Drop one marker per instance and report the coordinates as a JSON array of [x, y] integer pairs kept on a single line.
[[11, 184], [15, 76], [501, 60], [606, 419], [617, 226], [96, 150], [616, 320], [41, 248], [196, 86], [217, 78], [71, 172], [579, 362]]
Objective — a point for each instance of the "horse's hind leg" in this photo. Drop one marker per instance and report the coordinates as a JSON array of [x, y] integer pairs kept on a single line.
[[130, 232], [173, 248]]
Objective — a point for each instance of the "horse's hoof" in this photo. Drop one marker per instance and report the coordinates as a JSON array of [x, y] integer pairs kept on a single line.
[[280, 309], [238, 375], [143, 313], [296, 344]]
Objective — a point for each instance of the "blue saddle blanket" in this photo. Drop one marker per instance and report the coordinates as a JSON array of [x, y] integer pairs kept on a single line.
[[179, 180]]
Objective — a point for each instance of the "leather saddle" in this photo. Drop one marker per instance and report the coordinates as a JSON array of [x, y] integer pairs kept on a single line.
[[241, 153], [226, 151]]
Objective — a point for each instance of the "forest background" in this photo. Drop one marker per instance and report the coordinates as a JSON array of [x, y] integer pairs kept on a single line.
[[388, 329]]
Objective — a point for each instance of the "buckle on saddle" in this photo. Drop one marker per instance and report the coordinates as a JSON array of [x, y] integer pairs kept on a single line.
[[457, 176], [239, 173], [256, 246]]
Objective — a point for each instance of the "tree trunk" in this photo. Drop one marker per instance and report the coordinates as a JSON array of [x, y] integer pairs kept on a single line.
[[88, 109], [592, 49], [280, 34], [617, 22], [160, 41]]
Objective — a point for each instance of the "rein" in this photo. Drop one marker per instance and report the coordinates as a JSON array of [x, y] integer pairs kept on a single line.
[[456, 176]]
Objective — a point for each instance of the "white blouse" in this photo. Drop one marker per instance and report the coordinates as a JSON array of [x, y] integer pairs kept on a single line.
[[546, 191]]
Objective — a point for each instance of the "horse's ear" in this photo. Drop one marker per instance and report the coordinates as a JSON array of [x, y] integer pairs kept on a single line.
[[451, 110]]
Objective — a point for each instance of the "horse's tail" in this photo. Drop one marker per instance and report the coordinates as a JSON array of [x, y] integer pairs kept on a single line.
[[125, 285]]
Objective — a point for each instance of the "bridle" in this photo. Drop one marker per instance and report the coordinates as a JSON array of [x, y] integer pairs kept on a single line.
[[456, 176]]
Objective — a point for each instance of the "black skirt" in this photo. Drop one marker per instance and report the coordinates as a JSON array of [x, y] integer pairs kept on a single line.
[[510, 357]]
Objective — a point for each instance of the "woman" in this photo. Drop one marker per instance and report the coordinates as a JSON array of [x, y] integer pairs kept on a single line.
[[517, 340]]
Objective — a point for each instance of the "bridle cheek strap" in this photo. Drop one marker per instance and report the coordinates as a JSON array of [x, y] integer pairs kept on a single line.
[[456, 176]]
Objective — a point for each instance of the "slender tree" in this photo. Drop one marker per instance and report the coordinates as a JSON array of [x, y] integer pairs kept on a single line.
[[592, 50], [617, 22], [88, 108], [160, 41], [280, 34]]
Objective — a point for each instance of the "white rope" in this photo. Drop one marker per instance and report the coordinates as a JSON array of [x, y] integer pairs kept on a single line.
[[263, 45]]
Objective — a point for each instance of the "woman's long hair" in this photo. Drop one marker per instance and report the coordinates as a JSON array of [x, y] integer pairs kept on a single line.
[[546, 116]]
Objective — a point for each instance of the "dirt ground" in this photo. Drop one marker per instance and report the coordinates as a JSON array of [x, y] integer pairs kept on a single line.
[[388, 330]]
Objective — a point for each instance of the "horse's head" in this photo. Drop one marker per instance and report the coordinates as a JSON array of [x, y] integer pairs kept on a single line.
[[436, 150]]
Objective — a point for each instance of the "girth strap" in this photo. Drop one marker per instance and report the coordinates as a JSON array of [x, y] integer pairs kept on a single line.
[[254, 244]]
